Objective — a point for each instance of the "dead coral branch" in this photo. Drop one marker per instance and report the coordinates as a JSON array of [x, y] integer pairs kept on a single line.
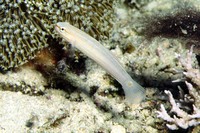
[[182, 119]]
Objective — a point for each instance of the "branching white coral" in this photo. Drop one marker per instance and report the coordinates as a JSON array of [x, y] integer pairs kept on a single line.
[[191, 73], [181, 119]]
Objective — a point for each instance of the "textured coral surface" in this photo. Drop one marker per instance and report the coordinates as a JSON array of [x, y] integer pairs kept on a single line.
[[26, 26]]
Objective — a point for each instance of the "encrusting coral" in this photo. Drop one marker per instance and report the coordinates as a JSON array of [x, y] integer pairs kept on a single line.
[[32, 82], [25, 26]]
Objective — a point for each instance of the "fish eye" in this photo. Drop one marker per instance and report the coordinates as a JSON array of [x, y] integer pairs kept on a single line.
[[62, 29]]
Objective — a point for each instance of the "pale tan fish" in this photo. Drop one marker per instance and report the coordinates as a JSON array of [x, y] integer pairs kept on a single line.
[[134, 93]]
